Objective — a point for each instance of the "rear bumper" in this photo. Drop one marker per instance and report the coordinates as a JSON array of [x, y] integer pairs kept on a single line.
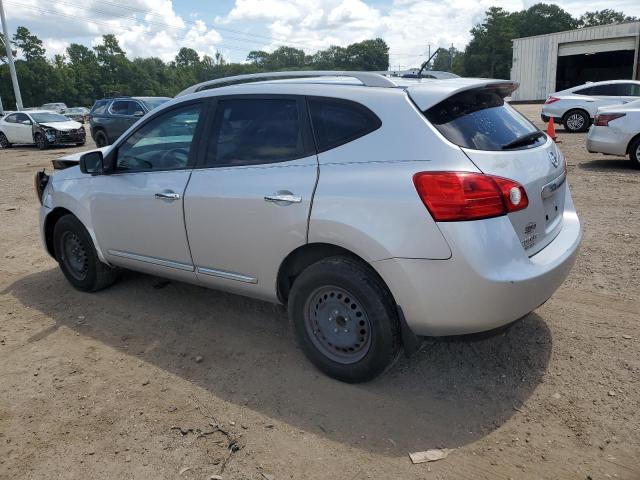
[[607, 140], [488, 282]]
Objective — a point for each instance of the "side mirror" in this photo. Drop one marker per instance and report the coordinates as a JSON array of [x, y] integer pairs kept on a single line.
[[91, 163], [26, 122]]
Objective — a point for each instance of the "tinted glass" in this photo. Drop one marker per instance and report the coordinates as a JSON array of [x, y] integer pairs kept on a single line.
[[600, 90], [336, 122], [481, 120], [629, 89], [255, 131], [122, 107], [152, 103], [99, 107], [163, 143]]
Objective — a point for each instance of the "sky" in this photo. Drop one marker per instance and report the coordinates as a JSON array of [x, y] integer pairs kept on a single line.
[[234, 27]]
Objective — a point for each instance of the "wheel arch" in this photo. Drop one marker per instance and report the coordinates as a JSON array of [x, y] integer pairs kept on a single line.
[[50, 224], [306, 255], [631, 142]]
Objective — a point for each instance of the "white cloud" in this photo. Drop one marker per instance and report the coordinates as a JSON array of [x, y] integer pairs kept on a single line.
[[144, 28]]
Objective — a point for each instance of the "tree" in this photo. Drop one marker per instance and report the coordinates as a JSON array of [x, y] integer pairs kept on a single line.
[[30, 45], [446, 59], [368, 55], [489, 52], [258, 57], [187, 58], [604, 17], [542, 18]]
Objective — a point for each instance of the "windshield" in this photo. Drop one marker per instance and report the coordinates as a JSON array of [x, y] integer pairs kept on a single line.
[[152, 103], [48, 117], [482, 120]]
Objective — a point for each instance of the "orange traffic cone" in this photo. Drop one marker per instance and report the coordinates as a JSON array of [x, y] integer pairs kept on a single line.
[[551, 130]]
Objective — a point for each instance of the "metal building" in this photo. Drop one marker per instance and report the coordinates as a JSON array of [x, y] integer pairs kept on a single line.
[[548, 63]]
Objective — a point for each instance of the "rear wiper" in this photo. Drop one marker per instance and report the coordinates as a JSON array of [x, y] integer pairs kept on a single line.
[[523, 140]]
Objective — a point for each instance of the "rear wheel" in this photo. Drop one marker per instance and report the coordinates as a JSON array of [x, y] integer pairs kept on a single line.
[[576, 121], [101, 139], [634, 152], [41, 142], [344, 319], [4, 141], [77, 256]]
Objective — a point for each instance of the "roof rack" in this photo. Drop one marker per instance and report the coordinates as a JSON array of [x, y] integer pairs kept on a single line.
[[368, 79]]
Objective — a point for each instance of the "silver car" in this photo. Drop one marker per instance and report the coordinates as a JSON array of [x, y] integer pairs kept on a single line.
[[576, 107], [616, 131], [377, 211]]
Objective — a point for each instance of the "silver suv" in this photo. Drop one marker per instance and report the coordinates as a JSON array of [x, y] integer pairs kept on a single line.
[[377, 211]]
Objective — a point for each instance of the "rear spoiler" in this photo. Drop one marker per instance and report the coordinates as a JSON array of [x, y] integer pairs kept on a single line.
[[426, 95]]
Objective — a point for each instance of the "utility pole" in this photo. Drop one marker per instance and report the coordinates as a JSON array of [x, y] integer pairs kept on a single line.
[[12, 67]]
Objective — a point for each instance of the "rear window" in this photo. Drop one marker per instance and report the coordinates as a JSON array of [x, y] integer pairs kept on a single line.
[[152, 102], [482, 120], [336, 122]]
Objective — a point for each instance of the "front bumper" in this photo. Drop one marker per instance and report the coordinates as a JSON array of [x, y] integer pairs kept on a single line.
[[607, 140], [72, 136], [489, 280]]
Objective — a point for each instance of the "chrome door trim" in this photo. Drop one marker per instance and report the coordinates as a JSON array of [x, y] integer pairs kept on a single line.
[[284, 197], [228, 275], [155, 261]]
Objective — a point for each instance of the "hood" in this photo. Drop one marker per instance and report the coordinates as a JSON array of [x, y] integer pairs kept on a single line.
[[74, 159], [62, 126]]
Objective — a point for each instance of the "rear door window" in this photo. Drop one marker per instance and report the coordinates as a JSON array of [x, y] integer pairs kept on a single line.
[[629, 90], [121, 107], [256, 131], [610, 90], [482, 120], [336, 122]]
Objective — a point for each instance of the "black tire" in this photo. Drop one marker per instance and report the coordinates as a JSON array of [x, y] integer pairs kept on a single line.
[[41, 141], [358, 303], [77, 256], [634, 152], [576, 121], [4, 141], [101, 139]]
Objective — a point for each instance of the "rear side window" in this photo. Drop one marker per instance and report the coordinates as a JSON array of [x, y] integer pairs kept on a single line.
[[629, 89], [336, 122], [256, 131], [125, 107], [482, 120], [604, 90]]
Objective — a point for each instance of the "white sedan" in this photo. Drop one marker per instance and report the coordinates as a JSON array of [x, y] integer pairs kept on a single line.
[[616, 131], [40, 127], [576, 107]]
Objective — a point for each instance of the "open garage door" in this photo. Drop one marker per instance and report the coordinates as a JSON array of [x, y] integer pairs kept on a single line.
[[594, 61]]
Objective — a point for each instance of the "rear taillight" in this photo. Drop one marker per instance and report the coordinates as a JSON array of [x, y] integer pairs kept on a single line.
[[603, 119], [457, 196], [551, 100]]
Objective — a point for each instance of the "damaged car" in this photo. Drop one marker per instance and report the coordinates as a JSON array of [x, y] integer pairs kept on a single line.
[[41, 128]]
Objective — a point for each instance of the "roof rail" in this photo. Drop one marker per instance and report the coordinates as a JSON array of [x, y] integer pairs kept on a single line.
[[368, 79]]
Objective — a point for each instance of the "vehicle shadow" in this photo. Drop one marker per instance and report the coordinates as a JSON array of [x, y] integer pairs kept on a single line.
[[449, 394], [605, 164]]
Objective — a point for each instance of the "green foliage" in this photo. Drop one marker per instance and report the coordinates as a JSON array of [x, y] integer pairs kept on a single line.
[[604, 17], [83, 75], [489, 53]]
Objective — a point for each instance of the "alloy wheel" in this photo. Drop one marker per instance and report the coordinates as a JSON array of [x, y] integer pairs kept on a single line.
[[575, 121], [4, 143]]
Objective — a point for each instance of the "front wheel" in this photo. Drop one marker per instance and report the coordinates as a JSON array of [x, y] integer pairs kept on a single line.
[[344, 319], [4, 141], [41, 142], [576, 121], [77, 256], [101, 139], [634, 152]]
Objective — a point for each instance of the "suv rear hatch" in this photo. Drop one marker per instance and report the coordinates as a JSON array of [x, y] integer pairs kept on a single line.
[[500, 141]]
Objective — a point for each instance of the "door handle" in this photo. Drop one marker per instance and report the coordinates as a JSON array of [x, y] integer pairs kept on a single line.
[[168, 196], [283, 197]]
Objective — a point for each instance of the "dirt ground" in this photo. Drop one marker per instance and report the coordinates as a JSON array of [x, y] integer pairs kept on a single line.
[[156, 379]]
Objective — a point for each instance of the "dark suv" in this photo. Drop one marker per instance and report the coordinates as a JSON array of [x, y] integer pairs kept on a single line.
[[111, 117]]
